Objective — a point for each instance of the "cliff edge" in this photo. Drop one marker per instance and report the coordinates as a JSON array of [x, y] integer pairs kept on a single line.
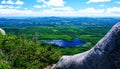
[[104, 55]]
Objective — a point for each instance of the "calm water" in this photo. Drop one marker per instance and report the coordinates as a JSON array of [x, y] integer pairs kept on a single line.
[[76, 42]]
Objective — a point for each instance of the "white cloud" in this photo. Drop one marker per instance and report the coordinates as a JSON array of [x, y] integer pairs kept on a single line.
[[1, 6], [25, 8], [14, 12], [113, 10], [18, 2], [117, 2], [53, 2], [38, 6], [90, 1], [88, 12], [63, 9], [91, 11], [17, 7], [44, 6], [3, 2], [9, 2], [102, 5], [40, 0], [8, 7], [56, 3]]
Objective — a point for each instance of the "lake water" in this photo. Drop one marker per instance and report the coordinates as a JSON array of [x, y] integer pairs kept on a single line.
[[62, 43]]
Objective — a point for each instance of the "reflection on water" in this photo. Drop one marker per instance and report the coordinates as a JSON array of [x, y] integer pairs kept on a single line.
[[76, 42]]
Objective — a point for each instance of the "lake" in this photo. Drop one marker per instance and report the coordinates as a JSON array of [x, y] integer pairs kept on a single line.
[[62, 43]]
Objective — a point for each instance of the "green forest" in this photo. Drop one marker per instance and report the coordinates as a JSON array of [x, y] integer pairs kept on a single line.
[[20, 48]]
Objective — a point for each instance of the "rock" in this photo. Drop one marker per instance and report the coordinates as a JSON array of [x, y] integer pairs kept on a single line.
[[104, 55], [49, 67], [2, 31]]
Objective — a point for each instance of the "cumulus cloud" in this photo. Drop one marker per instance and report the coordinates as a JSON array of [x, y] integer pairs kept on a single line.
[[15, 12], [8, 7], [18, 2], [38, 6], [117, 2], [88, 12], [3, 2], [109, 12], [92, 11], [9, 2], [40, 0], [56, 3], [63, 9], [102, 5], [53, 2], [113, 10], [90, 1]]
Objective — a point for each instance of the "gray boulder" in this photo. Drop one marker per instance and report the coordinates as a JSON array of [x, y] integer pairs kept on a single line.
[[2, 31], [104, 55]]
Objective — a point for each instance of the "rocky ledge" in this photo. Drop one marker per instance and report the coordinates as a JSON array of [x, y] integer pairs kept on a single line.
[[104, 55]]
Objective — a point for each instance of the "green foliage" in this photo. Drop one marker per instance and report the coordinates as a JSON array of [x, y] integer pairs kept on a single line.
[[90, 34], [19, 53], [74, 50]]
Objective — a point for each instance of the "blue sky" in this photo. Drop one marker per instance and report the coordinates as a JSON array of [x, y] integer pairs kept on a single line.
[[81, 8]]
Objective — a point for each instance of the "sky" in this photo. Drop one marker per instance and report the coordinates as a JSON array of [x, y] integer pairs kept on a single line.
[[77, 8]]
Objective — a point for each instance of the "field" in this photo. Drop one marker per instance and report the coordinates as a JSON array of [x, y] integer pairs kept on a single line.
[[89, 34]]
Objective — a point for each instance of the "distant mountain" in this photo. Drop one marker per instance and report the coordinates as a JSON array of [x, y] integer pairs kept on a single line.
[[58, 21], [104, 55]]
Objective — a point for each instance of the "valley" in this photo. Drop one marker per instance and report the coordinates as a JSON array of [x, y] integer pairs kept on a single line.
[[24, 34]]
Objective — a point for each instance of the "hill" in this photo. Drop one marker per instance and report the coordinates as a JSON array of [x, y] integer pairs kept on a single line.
[[59, 21]]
